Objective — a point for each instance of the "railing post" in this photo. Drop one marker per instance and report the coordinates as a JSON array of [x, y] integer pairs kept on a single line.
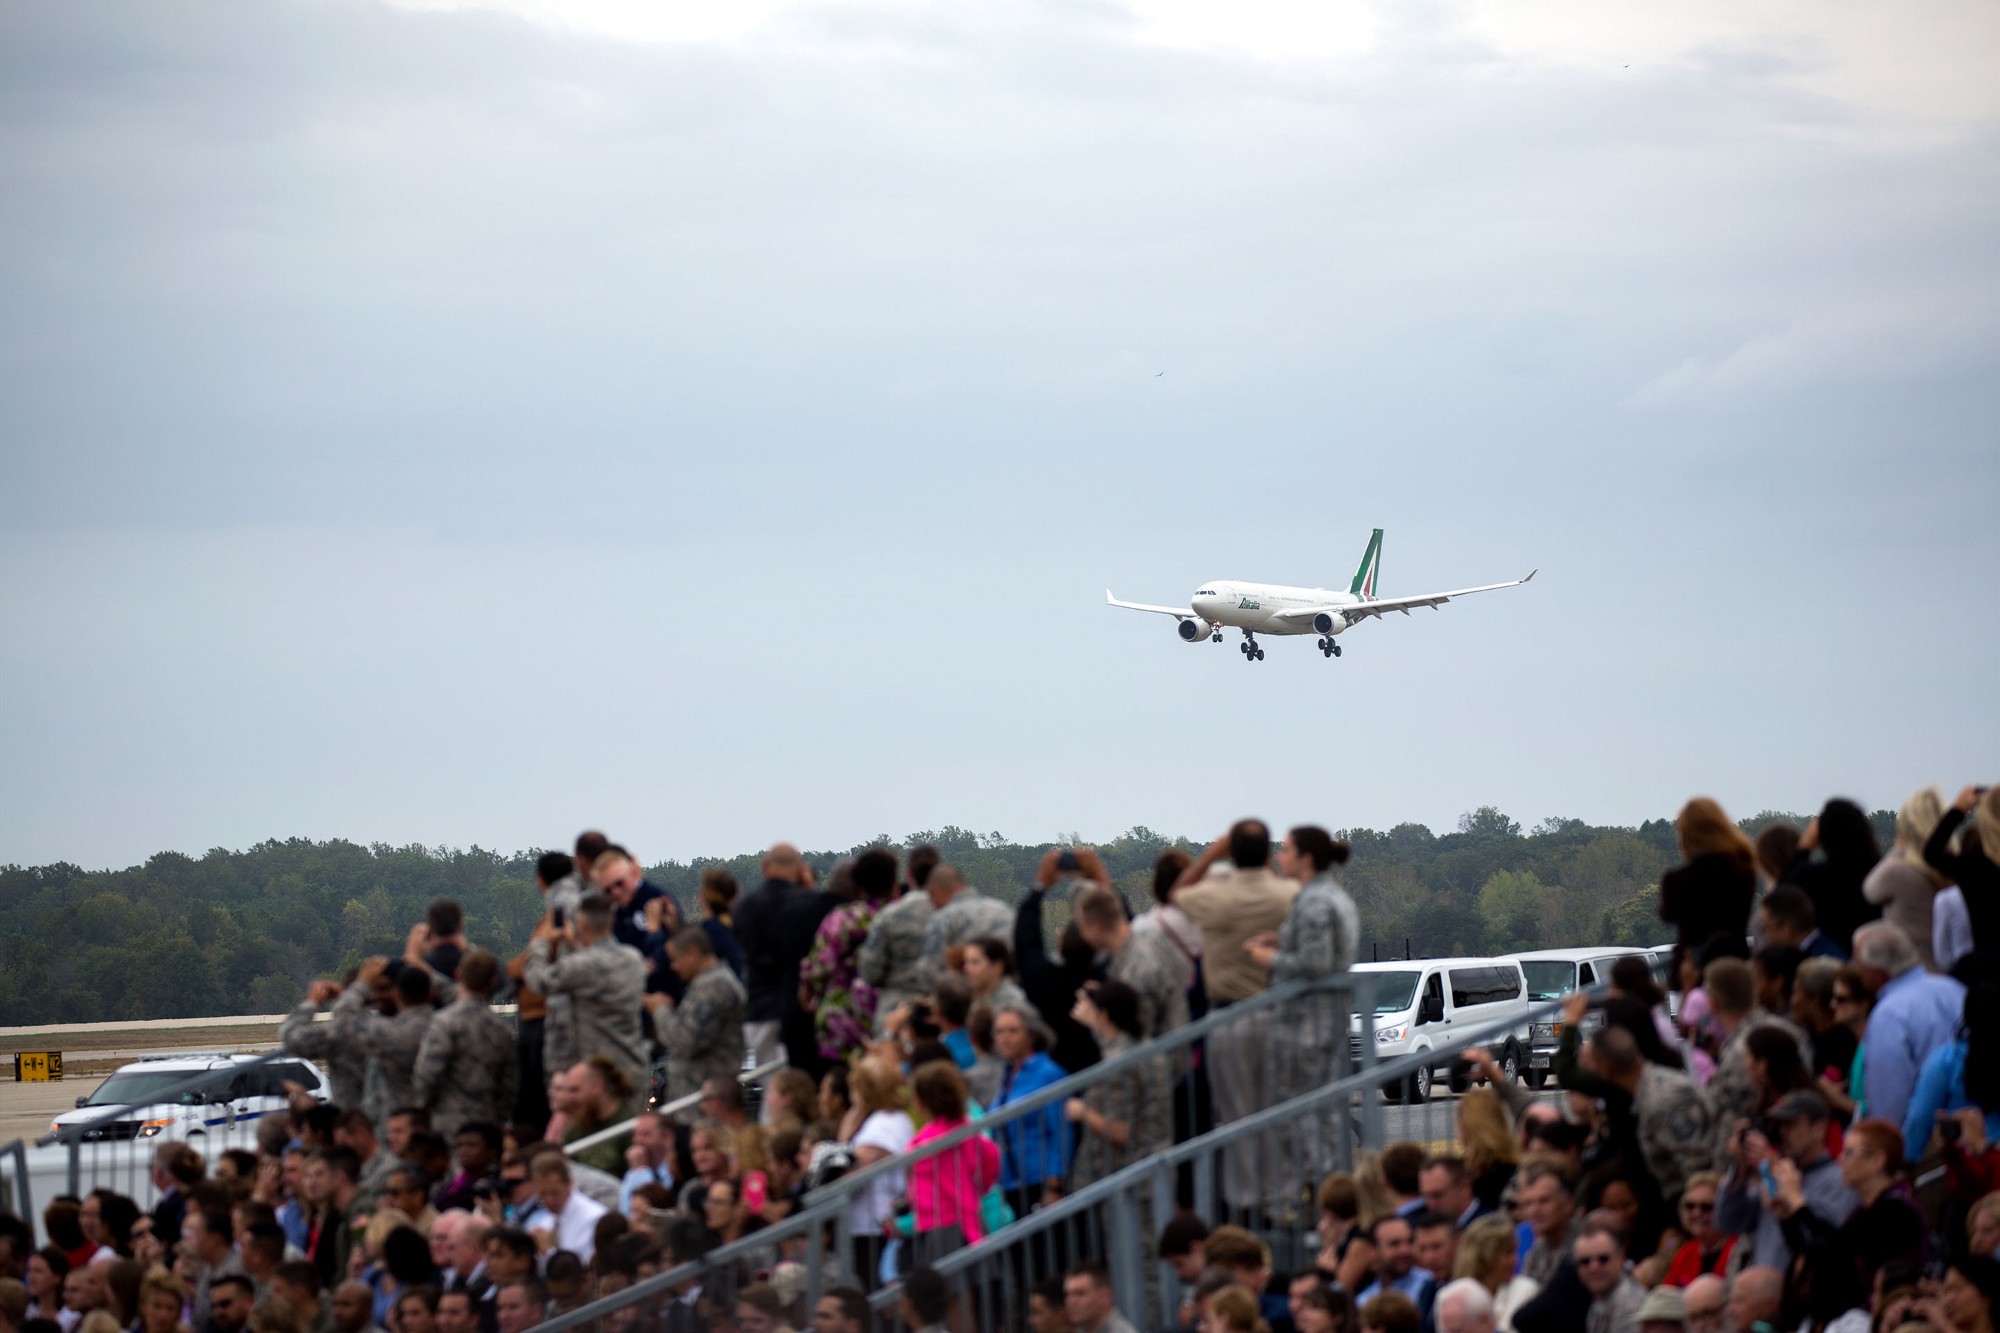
[[1370, 1094], [1125, 1244], [76, 1166], [23, 1193], [1163, 1279]]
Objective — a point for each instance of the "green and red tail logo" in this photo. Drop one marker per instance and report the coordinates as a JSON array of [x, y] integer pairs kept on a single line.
[[1367, 577]]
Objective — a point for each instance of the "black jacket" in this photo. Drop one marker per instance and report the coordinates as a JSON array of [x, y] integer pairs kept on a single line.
[[775, 926], [1973, 870], [1835, 890], [1710, 895], [1051, 986]]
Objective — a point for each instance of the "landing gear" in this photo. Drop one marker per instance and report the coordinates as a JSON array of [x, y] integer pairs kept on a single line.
[[1216, 637], [1328, 648], [1251, 652]]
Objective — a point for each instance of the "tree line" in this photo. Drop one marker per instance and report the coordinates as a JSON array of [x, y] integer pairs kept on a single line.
[[241, 932]]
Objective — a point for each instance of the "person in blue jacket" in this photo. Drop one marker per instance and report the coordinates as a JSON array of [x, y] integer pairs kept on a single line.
[[1944, 1087], [1035, 1149]]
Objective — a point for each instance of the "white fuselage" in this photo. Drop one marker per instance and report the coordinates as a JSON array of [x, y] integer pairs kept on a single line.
[[1257, 606]]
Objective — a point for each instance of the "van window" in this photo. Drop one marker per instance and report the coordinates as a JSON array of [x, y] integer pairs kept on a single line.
[[1434, 994], [1483, 985], [1549, 979], [1584, 976], [1395, 991]]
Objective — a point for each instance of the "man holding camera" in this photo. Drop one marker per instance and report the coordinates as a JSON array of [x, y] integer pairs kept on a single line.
[[1795, 1130]]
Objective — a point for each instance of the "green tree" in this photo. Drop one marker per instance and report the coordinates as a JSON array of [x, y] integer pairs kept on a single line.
[[1511, 903]]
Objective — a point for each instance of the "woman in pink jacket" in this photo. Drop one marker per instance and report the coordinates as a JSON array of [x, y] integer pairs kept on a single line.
[[945, 1188]]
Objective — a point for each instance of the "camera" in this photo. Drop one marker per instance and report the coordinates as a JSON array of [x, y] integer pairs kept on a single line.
[[1949, 1130]]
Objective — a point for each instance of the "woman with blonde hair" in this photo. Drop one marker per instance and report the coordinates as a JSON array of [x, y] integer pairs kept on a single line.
[[1486, 1254], [1902, 884], [1371, 1190], [161, 1298], [879, 1127], [1491, 1152], [1710, 893], [1233, 1310]]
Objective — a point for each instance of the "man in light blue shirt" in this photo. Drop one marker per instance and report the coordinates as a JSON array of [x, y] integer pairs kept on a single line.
[[1396, 1265], [1915, 1013], [646, 1160]]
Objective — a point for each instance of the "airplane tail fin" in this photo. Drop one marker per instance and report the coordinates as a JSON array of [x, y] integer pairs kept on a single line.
[[1366, 578]]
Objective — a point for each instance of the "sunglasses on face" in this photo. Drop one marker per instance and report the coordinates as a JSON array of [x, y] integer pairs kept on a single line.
[[1692, 1206], [1592, 1260]]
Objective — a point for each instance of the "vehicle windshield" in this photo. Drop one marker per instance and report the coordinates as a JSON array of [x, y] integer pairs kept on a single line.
[[141, 1087], [1549, 980], [1395, 991]]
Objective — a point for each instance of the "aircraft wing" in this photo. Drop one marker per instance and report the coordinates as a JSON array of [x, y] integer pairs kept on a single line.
[[1358, 611], [1177, 612]]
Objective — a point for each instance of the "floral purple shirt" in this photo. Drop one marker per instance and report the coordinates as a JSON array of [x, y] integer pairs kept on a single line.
[[843, 1004]]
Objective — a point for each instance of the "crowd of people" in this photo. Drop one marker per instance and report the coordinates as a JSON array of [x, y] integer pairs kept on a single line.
[[1739, 1155]]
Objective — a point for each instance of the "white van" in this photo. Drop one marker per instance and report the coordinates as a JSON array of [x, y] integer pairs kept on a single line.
[[1425, 1003], [1554, 973]]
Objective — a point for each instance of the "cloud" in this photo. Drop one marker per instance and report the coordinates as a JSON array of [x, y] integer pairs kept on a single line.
[[1833, 350], [775, 388]]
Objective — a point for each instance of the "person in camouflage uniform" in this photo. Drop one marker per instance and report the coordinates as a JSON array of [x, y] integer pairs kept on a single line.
[[703, 1033], [1307, 1038], [601, 983], [1126, 1117], [304, 1035], [466, 1069], [891, 959], [1145, 962], [1675, 1134], [962, 915], [386, 1023]]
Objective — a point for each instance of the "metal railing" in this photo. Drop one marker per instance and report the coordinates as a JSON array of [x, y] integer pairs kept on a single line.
[[1118, 1218], [612, 1133], [824, 1226], [1280, 1150]]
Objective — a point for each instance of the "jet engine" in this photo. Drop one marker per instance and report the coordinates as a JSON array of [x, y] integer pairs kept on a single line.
[[1194, 631], [1327, 622]]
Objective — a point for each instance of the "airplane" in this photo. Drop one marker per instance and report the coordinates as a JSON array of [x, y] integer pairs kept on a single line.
[[1263, 608]]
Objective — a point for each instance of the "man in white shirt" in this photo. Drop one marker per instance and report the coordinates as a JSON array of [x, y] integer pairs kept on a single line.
[[567, 1219]]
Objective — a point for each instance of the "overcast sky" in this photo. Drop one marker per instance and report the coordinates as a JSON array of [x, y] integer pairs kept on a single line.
[[472, 422]]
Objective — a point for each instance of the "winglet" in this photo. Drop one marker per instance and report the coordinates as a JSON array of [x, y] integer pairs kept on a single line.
[[1531, 574], [1114, 601]]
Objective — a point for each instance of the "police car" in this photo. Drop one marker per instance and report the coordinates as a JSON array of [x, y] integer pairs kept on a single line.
[[188, 1097]]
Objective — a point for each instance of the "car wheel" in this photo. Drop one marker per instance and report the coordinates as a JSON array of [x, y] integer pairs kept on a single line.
[[1420, 1086], [1538, 1078], [1510, 1064]]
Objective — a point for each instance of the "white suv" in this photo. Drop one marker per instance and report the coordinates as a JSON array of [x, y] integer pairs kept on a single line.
[[168, 1097]]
